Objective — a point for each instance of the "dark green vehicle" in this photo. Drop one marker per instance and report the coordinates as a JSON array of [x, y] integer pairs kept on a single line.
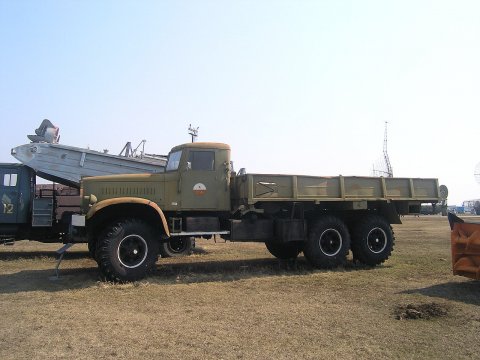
[[15, 189], [33, 212], [126, 219]]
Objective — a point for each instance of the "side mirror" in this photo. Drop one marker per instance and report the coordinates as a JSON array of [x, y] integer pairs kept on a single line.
[[189, 165]]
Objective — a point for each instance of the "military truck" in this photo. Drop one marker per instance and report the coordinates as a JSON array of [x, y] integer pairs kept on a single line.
[[125, 218]]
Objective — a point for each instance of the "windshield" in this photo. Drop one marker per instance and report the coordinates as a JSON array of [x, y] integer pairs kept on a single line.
[[174, 160]]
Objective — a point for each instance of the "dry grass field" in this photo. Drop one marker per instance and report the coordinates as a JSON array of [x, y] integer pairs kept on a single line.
[[235, 301]]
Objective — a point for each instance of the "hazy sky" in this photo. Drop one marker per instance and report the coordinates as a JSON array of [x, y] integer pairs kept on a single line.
[[293, 86]]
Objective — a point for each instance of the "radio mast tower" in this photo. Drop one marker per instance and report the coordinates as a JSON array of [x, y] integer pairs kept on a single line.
[[383, 167], [385, 154]]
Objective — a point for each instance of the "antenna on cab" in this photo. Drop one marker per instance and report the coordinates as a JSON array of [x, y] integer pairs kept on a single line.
[[193, 132]]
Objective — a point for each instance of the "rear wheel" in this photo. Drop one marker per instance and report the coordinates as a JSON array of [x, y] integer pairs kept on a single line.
[[178, 246], [372, 240], [284, 251], [127, 251], [328, 243]]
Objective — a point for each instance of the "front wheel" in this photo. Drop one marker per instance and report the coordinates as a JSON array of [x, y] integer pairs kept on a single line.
[[127, 251], [93, 249], [372, 240], [328, 243]]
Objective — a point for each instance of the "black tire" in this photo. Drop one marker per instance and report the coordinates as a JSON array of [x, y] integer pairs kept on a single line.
[[328, 243], [372, 240], [92, 244], [284, 251], [177, 246], [92, 247], [127, 251]]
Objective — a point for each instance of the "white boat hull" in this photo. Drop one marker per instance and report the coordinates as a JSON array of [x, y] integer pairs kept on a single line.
[[67, 164]]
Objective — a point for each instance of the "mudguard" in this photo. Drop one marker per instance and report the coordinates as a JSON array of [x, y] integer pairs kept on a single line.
[[129, 200]]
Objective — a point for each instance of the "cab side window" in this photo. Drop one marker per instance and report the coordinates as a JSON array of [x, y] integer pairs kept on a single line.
[[10, 180], [202, 160]]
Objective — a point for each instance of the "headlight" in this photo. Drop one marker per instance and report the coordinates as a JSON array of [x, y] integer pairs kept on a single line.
[[92, 199]]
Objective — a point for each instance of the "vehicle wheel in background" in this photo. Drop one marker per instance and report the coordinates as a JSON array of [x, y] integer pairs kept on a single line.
[[127, 251], [328, 243], [372, 240], [177, 246], [284, 251]]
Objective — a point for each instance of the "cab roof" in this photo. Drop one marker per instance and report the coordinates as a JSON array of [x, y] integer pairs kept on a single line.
[[202, 145]]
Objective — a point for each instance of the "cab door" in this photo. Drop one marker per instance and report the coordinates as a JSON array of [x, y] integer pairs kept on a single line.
[[203, 181], [9, 195]]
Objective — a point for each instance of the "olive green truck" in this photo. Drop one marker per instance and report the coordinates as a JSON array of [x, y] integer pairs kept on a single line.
[[125, 218]]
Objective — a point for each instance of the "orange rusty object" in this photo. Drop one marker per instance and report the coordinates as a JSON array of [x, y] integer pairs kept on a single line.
[[465, 241]]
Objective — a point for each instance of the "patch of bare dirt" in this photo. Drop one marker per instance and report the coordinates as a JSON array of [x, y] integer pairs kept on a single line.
[[420, 311]]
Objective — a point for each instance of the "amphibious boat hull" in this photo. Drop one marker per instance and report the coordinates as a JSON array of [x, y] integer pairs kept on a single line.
[[67, 164]]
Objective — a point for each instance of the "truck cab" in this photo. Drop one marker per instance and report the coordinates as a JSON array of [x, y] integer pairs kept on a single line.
[[197, 177], [17, 183]]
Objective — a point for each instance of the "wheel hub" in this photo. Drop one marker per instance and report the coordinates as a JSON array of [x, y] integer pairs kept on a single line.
[[377, 240], [132, 251], [178, 245], [330, 242]]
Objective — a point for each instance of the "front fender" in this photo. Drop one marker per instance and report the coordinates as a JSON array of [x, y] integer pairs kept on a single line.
[[128, 200]]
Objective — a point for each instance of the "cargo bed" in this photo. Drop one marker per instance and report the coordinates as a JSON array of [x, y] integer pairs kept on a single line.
[[253, 188]]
